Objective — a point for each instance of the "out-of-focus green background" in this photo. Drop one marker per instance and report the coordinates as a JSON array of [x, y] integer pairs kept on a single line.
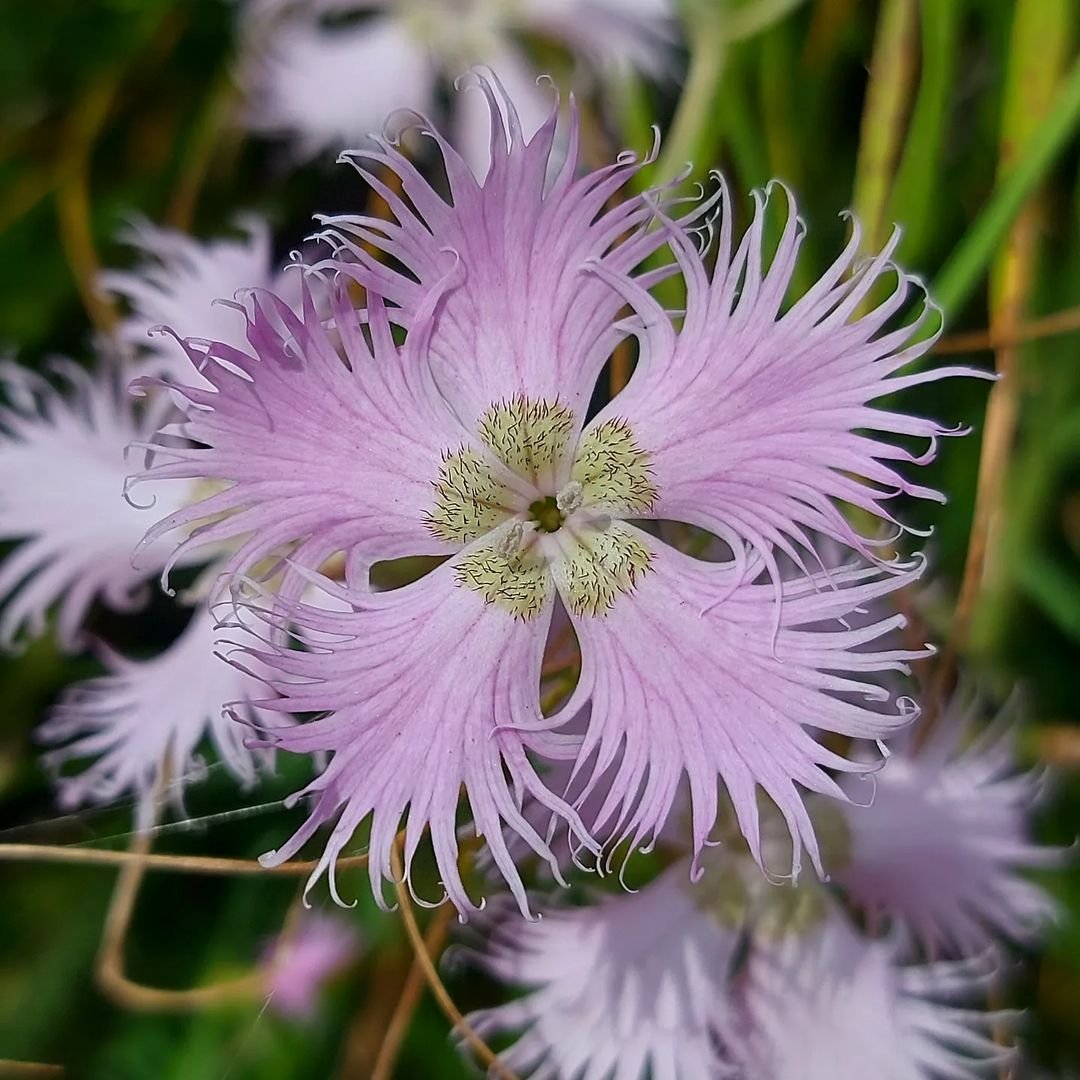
[[970, 137]]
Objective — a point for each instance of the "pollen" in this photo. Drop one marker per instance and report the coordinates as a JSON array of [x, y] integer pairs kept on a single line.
[[570, 498], [550, 510]]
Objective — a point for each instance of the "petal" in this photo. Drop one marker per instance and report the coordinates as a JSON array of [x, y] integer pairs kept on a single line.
[[416, 683], [144, 721], [758, 422], [472, 116], [690, 675], [527, 319], [329, 88], [178, 279], [320, 452], [943, 845], [833, 1005], [632, 986], [62, 473]]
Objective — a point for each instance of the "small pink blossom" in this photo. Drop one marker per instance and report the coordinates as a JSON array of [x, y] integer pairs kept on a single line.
[[302, 961]]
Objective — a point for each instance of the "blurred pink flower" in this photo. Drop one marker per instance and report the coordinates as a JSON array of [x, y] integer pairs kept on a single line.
[[944, 844], [178, 281], [674, 982], [329, 85], [632, 986], [833, 1005], [66, 452], [300, 963], [144, 721], [63, 469]]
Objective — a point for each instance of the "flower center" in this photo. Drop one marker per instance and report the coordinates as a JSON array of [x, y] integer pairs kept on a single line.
[[549, 513], [460, 32], [732, 887]]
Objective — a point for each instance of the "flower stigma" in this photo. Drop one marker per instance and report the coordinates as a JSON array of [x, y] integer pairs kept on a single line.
[[547, 514]]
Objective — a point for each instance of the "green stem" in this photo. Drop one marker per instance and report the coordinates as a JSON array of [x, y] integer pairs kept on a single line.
[[967, 265], [696, 108], [753, 19], [711, 30], [741, 130], [198, 156], [883, 117], [918, 177]]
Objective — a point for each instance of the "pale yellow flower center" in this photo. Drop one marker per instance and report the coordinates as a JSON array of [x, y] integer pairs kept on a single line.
[[732, 888], [461, 32], [549, 512]]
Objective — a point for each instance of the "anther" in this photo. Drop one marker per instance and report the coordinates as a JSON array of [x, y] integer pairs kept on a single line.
[[509, 543], [570, 498]]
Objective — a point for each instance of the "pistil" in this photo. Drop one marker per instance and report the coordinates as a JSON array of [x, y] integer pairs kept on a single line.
[[547, 514]]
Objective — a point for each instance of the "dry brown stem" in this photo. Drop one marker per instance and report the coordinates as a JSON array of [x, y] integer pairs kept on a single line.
[[410, 996], [109, 970], [184, 864], [446, 1002], [1060, 322]]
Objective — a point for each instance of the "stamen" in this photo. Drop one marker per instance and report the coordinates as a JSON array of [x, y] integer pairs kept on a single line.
[[510, 542], [570, 498]]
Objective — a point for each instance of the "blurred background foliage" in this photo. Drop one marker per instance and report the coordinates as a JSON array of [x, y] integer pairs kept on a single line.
[[957, 118]]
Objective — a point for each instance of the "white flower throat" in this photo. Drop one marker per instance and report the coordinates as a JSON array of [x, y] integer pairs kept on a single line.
[[549, 517]]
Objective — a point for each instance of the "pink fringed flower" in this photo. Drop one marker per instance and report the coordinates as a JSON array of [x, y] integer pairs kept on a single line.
[[63, 466], [943, 846], [833, 1005], [634, 986], [179, 280], [470, 441], [302, 961], [330, 85], [144, 721]]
